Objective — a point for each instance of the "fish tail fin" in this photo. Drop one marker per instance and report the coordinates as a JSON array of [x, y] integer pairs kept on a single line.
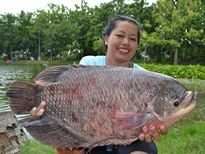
[[21, 97]]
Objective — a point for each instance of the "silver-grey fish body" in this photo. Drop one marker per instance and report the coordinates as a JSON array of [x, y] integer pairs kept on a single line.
[[92, 106]]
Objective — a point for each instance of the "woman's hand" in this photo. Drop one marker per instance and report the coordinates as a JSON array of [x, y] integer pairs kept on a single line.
[[36, 112], [152, 132]]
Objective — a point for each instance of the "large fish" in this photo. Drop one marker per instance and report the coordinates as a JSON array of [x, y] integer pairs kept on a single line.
[[95, 106]]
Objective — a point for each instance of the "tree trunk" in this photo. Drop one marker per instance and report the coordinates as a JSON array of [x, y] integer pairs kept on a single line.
[[176, 57], [12, 136]]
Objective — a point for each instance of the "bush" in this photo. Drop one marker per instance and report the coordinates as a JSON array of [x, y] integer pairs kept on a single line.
[[178, 71]]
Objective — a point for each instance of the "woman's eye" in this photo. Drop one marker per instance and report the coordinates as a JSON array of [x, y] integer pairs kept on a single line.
[[133, 39], [119, 35]]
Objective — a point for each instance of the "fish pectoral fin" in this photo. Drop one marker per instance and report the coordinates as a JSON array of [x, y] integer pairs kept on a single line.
[[130, 120]]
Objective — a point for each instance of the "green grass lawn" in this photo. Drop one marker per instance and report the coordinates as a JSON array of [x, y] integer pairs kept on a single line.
[[35, 147], [184, 138]]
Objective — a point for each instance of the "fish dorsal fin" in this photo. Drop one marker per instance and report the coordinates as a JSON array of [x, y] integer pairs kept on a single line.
[[51, 74]]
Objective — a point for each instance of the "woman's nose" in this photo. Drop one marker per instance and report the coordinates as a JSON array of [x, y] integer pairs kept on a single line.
[[125, 40]]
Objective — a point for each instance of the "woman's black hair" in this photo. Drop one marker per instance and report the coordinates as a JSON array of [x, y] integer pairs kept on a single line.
[[112, 25]]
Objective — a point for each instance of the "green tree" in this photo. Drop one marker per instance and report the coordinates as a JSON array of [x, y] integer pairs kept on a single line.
[[176, 32], [172, 30], [8, 33], [24, 22]]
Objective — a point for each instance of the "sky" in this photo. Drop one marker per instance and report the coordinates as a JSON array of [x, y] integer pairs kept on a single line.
[[15, 6]]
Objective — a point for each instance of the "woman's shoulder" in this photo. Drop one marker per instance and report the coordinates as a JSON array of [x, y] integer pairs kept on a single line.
[[93, 60], [136, 66]]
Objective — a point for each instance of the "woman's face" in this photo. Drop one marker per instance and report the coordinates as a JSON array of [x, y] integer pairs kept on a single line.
[[122, 42]]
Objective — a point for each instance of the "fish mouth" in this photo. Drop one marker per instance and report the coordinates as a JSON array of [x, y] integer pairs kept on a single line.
[[189, 105], [191, 97]]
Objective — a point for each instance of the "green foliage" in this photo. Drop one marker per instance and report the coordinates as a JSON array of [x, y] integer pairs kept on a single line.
[[178, 32], [72, 52], [1, 61], [178, 71], [172, 31]]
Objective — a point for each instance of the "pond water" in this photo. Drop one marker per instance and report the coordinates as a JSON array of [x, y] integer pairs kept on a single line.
[[10, 73]]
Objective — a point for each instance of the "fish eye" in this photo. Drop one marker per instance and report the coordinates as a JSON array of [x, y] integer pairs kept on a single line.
[[176, 103]]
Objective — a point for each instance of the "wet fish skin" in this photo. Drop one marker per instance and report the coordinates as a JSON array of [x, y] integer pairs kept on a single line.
[[92, 106]]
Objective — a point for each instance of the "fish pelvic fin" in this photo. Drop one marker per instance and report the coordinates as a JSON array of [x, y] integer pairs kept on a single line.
[[132, 120], [21, 97]]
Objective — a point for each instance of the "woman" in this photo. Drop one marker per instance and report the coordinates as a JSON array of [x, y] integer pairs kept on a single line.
[[121, 38]]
